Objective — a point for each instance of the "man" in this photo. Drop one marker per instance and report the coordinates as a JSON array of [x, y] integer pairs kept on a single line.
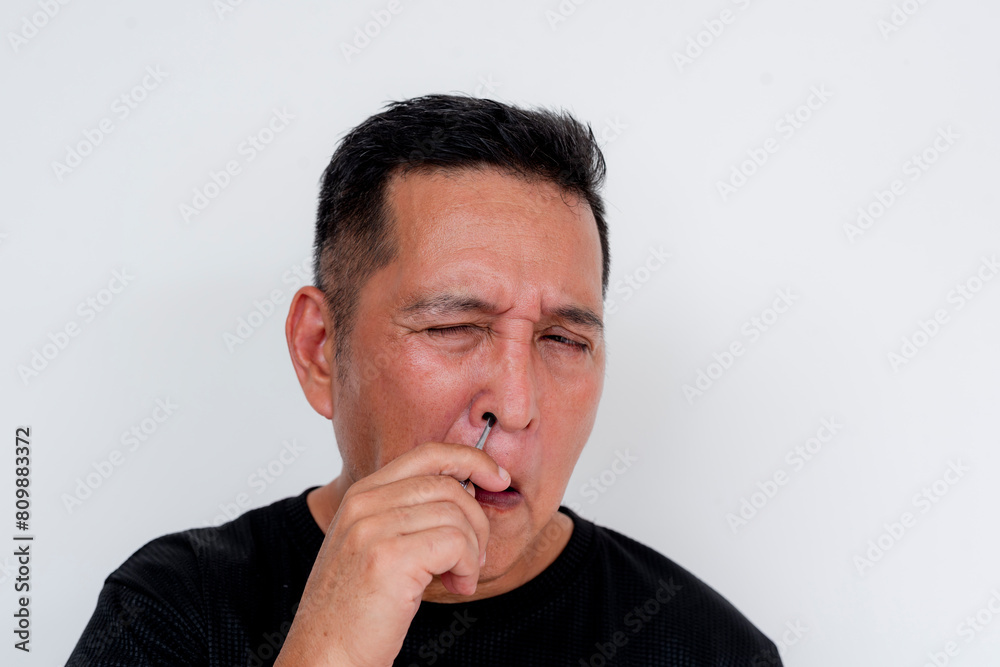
[[461, 265]]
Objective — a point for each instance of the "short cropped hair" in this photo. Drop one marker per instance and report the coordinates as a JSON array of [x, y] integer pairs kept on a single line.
[[354, 235]]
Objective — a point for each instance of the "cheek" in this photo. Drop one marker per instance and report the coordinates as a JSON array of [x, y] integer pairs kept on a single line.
[[573, 408], [428, 376], [414, 397], [574, 403]]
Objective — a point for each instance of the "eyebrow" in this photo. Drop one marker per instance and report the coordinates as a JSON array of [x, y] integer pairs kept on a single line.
[[448, 303]]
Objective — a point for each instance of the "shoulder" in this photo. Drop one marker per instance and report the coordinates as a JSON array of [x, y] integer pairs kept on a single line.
[[658, 598], [168, 600], [187, 558], [190, 575]]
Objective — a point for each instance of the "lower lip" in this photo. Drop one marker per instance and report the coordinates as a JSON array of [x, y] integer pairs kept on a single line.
[[502, 500]]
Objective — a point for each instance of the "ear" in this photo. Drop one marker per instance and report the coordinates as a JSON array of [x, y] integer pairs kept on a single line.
[[310, 335]]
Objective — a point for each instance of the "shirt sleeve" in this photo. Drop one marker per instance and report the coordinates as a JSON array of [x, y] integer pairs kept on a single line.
[[148, 612]]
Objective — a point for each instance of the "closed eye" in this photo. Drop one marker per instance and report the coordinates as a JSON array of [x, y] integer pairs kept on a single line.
[[444, 331], [468, 328]]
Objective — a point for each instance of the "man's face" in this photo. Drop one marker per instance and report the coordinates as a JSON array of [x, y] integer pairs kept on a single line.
[[426, 362]]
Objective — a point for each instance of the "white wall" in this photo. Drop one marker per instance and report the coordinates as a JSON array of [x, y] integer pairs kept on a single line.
[[673, 132]]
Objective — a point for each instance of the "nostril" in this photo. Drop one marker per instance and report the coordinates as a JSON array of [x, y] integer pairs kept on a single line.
[[490, 418]]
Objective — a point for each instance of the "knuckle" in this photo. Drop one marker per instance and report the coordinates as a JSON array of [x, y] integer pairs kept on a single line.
[[455, 514], [432, 486], [448, 513], [425, 488], [454, 536], [431, 450], [354, 505], [361, 532]]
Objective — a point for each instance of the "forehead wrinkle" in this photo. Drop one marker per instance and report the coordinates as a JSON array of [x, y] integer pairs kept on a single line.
[[432, 217]]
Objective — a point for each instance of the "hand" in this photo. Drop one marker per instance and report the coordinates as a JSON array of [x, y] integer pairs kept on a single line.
[[393, 532]]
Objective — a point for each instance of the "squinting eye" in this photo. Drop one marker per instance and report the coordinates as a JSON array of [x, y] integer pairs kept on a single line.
[[445, 331], [468, 328], [571, 343]]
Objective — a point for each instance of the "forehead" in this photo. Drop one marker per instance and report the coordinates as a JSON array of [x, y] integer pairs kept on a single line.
[[497, 236]]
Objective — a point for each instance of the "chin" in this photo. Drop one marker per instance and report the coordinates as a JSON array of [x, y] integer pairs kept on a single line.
[[497, 565]]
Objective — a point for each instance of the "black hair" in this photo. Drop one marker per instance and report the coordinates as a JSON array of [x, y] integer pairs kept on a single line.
[[354, 234]]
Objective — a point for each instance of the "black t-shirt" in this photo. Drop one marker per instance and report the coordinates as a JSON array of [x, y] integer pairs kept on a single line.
[[227, 596]]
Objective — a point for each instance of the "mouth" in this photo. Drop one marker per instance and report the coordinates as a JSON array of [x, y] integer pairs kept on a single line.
[[501, 500]]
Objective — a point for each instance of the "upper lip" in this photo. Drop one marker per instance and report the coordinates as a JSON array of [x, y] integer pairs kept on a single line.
[[513, 476], [489, 439]]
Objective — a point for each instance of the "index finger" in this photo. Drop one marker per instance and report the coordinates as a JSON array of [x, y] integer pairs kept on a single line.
[[442, 458]]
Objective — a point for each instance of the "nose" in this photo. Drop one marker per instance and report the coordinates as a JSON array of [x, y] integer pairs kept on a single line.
[[511, 387]]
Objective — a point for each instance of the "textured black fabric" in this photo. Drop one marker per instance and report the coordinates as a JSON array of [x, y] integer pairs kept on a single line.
[[227, 596]]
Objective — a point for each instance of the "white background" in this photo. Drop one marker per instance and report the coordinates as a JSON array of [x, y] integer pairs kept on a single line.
[[672, 130]]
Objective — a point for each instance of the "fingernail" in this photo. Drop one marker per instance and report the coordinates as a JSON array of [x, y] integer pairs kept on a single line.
[[504, 474]]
